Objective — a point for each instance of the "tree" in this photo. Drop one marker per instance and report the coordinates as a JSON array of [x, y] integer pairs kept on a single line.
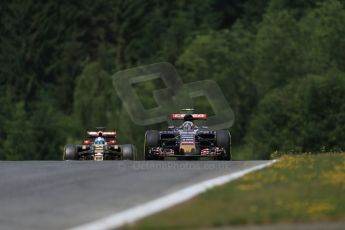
[[324, 39], [19, 142], [95, 100], [226, 57], [278, 52], [307, 115]]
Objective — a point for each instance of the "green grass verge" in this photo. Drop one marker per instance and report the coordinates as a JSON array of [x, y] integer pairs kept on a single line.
[[305, 188], [243, 153]]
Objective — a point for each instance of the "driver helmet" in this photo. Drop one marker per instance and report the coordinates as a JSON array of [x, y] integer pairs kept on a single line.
[[99, 141], [188, 117], [187, 126]]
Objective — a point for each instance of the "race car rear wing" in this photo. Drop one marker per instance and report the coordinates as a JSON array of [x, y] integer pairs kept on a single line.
[[101, 133], [180, 116]]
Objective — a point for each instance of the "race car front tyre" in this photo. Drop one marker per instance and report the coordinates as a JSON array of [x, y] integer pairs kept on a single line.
[[223, 140], [128, 152], [70, 152], [152, 139]]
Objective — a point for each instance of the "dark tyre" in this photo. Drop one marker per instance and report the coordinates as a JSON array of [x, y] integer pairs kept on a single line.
[[223, 140], [70, 152], [128, 152], [189, 158], [152, 139]]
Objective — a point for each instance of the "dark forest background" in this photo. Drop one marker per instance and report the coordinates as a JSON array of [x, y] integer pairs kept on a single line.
[[280, 64]]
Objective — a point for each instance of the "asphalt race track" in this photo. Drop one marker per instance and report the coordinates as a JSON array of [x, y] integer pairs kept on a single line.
[[62, 195]]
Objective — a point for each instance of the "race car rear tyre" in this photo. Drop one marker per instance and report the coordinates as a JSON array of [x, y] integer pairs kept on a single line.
[[223, 140], [152, 139], [70, 152], [128, 152]]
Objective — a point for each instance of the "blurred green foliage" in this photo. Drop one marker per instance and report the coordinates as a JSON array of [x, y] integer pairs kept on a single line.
[[305, 115], [279, 63]]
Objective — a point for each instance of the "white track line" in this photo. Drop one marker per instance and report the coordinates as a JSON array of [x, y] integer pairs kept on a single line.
[[138, 212]]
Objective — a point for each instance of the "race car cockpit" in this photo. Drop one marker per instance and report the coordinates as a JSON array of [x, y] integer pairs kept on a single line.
[[100, 141], [187, 126]]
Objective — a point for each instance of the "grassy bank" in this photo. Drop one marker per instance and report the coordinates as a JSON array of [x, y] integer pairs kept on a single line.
[[305, 188]]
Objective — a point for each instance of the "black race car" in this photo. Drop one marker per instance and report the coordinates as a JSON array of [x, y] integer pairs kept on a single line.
[[99, 145], [188, 141]]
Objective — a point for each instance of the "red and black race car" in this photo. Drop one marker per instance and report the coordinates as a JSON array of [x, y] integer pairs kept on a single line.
[[99, 145], [188, 140]]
